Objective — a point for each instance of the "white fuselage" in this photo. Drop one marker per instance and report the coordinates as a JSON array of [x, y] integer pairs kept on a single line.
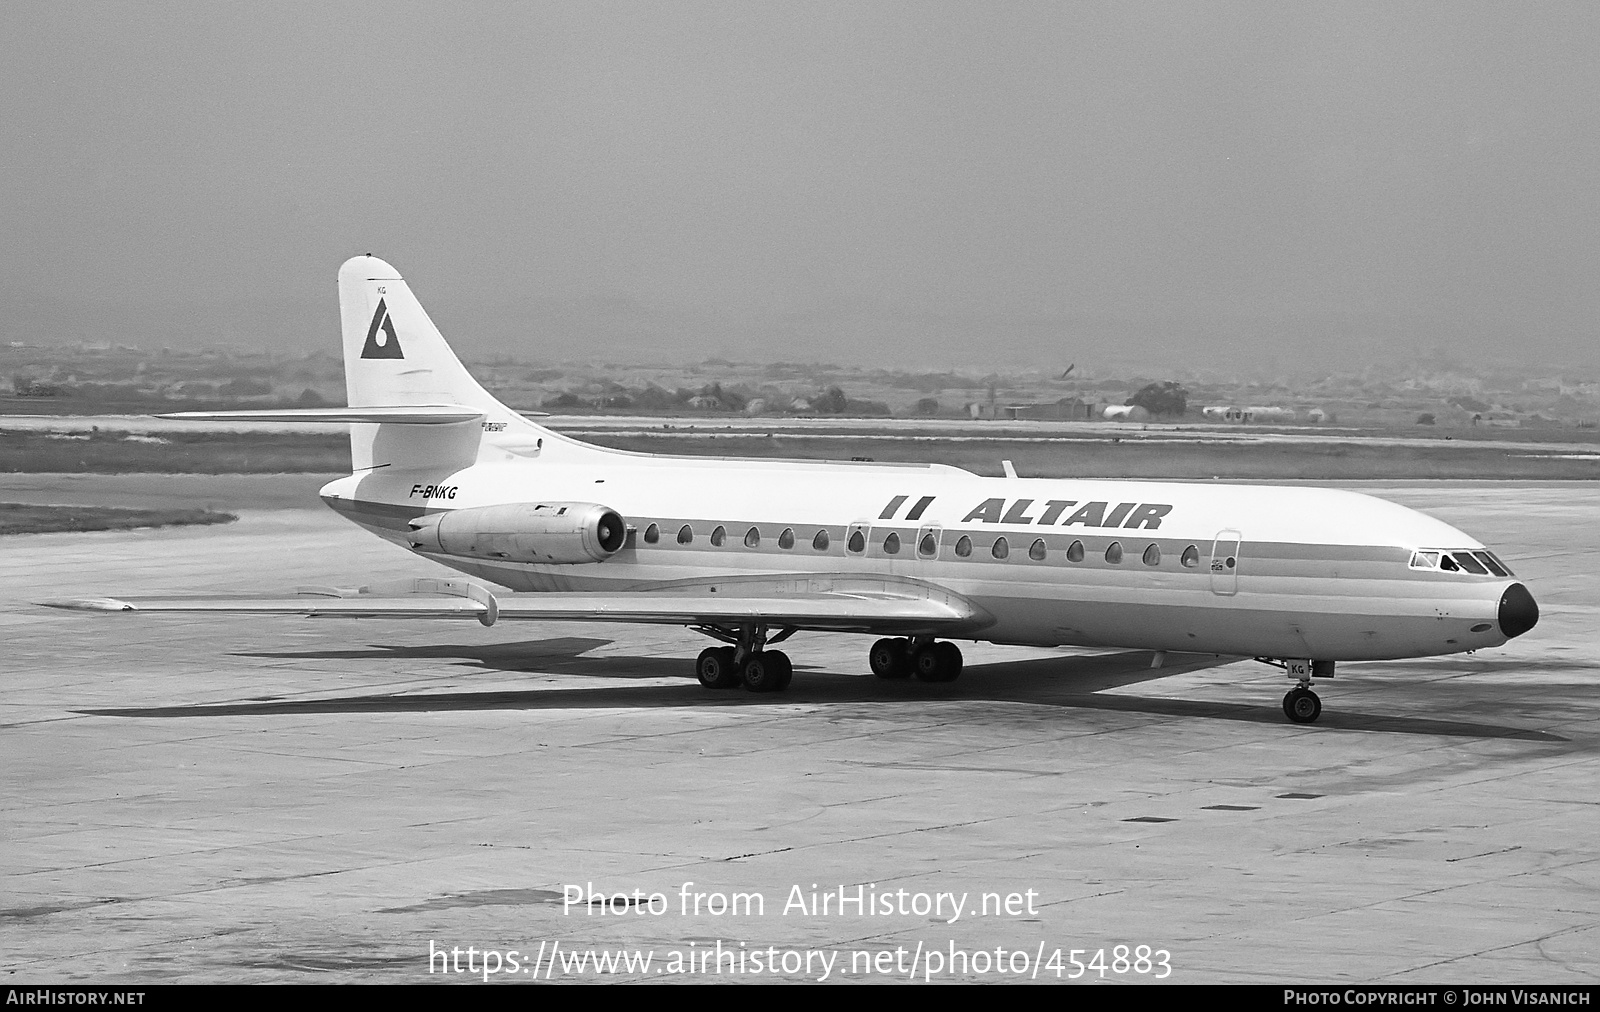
[[1235, 569]]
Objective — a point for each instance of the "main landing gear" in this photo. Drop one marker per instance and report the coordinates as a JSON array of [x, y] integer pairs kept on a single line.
[[762, 671], [928, 660], [746, 661]]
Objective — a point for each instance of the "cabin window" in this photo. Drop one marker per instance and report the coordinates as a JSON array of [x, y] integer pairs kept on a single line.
[[1448, 564], [1424, 560], [1190, 557], [1490, 562], [652, 534], [1501, 563], [719, 535], [891, 544], [964, 547], [928, 547], [1470, 564], [1152, 555], [1001, 549], [1114, 553], [1075, 552], [752, 537], [820, 542], [857, 543], [1036, 550], [685, 534], [786, 539]]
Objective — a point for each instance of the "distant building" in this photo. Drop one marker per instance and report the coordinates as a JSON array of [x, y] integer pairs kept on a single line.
[[1125, 413], [1065, 408]]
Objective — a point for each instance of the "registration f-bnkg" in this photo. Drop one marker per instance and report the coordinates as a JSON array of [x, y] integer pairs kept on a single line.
[[750, 552]]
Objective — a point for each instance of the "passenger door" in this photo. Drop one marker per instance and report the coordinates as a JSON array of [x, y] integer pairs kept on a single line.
[[1225, 563]]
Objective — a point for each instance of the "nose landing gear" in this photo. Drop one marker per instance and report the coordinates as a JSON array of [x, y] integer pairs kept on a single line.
[[1300, 704]]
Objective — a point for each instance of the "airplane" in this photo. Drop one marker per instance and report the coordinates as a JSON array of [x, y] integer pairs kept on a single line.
[[751, 551]]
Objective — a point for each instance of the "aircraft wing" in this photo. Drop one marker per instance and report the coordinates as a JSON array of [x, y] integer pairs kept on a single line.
[[870, 606]]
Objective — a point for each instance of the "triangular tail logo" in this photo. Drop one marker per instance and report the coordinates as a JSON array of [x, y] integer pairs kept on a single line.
[[387, 346]]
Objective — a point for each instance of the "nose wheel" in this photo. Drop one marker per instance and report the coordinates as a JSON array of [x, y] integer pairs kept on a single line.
[[1301, 705]]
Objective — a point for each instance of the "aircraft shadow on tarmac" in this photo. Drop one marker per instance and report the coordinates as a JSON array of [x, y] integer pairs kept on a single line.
[[1067, 681], [561, 655]]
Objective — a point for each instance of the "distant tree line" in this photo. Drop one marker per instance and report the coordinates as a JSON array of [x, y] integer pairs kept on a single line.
[[1167, 398], [831, 400]]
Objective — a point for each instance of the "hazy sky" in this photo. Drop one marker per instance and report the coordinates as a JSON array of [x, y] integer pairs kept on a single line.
[[927, 184]]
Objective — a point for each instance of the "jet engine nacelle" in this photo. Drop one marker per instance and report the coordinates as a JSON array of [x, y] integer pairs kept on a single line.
[[546, 532]]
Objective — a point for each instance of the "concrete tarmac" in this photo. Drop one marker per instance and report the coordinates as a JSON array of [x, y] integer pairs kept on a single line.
[[221, 799]]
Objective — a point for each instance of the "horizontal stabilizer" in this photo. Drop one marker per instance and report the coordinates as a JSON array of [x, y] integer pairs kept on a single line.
[[414, 414]]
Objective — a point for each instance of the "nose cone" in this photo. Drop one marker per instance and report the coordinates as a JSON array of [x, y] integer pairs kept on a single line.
[[1518, 611]]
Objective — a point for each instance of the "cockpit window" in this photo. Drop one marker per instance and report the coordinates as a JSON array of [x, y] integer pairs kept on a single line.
[[1491, 563], [1474, 561]]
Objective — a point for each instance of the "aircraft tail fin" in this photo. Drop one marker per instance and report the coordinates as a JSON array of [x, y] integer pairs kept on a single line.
[[393, 354], [395, 357]]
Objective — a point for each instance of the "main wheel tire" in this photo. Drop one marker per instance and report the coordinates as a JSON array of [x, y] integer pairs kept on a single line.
[[928, 664], [763, 672], [715, 668], [950, 662], [785, 668], [889, 659], [1302, 706]]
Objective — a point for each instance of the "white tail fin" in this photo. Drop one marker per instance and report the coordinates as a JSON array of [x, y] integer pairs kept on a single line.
[[395, 357], [393, 354]]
